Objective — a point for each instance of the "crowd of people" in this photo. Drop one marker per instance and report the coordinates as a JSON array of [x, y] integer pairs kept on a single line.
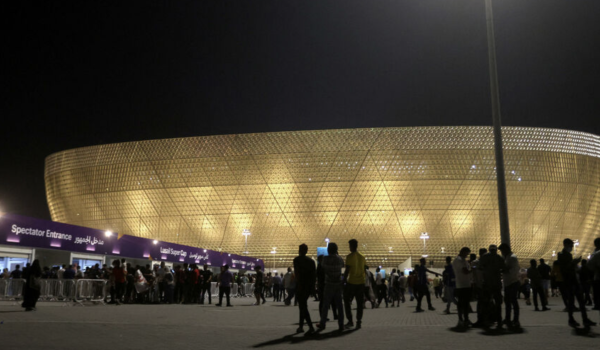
[[493, 277]]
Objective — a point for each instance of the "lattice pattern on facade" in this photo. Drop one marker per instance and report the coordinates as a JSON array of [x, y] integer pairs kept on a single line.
[[382, 186]]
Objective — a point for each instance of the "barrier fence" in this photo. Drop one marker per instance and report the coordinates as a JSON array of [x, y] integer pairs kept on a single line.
[[57, 290], [94, 290]]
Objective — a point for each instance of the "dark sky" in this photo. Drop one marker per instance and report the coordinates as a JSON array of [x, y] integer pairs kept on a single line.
[[89, 72]]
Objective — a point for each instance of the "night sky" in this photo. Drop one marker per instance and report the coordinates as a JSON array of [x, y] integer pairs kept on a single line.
[[85, 73]]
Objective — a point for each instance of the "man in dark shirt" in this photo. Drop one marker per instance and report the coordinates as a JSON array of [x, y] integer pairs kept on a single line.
[[304, 268], [572, 288], [69, 273], [545, 270], [17, 273], [225, 282], [492, 265], [258, 284], [421, 284], [207, 280]]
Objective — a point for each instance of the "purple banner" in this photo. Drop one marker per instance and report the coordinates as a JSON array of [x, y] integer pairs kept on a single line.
[[35, 233]]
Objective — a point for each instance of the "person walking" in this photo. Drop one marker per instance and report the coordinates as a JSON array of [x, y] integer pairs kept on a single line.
[[369, 284], [354, 275], [381, 288], [492, 265], [462, 291], [422, 284], [224, 284], [332, 265], [571, 286], [510, 277], [544, 270], [32, 286], [306, 275], [537, 286]]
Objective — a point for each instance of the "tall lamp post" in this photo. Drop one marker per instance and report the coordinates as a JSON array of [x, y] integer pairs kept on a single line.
[[495, 97], [424, 236], [246, 233]]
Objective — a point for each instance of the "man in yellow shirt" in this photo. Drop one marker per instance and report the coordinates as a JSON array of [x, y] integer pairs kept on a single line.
[[354, 275]]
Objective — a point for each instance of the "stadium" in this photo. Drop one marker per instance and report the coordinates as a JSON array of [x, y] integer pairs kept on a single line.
[[401, 192]]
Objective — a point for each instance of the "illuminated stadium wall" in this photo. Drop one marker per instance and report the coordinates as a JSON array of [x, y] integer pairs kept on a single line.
[[383, 186]]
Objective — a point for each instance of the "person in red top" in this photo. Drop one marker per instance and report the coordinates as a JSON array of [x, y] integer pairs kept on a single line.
[[119, 278]]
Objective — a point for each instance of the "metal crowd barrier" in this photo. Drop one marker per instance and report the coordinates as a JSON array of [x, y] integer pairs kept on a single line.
[[249, 289], [90, 290], [11, 289], [57, 290], [214, 291], [234, 290]]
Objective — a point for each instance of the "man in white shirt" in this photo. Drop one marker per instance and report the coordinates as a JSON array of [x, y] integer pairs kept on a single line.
[[510, 278], [462, 291], [393, 288], [61, 272]]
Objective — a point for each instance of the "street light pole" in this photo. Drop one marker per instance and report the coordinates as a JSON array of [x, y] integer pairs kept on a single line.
[[495, 96]]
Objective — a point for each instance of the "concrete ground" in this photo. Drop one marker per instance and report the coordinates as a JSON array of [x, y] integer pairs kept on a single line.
[[269, 326]]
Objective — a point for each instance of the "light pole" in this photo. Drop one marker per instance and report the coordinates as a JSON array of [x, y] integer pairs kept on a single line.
[[495, 97], [246, 233], [274, 251], [424, 236]]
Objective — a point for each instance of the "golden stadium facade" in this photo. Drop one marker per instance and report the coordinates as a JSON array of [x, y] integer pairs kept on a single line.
[[382, 186]]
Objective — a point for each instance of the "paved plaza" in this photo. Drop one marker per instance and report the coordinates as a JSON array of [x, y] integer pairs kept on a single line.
[[269, 326]]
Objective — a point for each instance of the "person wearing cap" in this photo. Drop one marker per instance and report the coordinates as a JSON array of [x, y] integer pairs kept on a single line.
[[510, 277], [492, 265], [571, 286]]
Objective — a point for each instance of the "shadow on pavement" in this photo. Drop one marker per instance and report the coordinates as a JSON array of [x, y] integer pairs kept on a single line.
[[503, 331], [299, 337], [584, 332]]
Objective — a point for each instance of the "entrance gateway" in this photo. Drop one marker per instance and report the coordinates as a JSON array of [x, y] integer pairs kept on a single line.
[[23, 239]]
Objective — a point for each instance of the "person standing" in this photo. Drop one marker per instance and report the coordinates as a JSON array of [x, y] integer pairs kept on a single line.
[[306, 275], [118, 274], [492, 265], [544, 270], [585, 278], [422, 284], [437, 287], [332, 265], [276, 287], [571, 286], [477, 275], [354, 275], [224, 284], [33, 285], [462, 291], [290, 286], [449, 281], [510, 277], [594, 266], [537, 286], [381, 288], [206, 284], [258, 284], [403, 285], [16, 273]]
